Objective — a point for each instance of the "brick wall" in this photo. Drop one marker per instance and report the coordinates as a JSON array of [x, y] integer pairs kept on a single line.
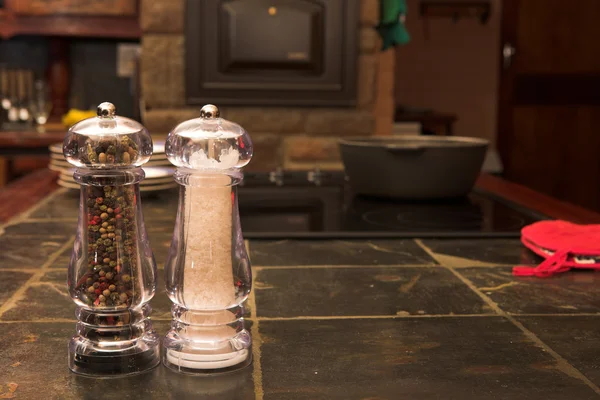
[[294, 138]]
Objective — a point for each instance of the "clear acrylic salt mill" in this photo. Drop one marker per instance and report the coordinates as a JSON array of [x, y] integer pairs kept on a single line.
[[112, 273], [208, 275]]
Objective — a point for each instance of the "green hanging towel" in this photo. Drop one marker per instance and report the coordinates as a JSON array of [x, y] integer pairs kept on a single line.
[[391, 26]]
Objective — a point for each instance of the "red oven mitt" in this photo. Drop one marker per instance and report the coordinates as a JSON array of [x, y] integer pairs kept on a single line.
[[564, 246]]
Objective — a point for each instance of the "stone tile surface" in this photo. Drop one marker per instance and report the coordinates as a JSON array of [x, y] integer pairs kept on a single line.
[[34, 362], [575, 338], [569, 293], [65, 204], [49, 299], [495, 251], [363, 291], [42, 230], [404, 351], [45, 300], [11, 282], [433, 358], [337, 252], [27, 252]]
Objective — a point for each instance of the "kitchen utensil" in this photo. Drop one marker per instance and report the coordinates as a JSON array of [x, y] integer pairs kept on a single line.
[[208, 270], [413, 167], [40, 103], [4, 95], [112, 273], [13, 111], [23, 110]]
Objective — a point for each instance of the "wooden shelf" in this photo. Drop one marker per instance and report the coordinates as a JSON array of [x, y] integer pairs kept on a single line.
[[14, 140], [70, 26]]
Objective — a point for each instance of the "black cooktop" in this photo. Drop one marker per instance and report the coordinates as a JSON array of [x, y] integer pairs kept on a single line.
[[321, 204]]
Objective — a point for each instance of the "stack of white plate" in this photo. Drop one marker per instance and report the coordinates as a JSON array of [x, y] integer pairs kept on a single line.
[[159, 171]]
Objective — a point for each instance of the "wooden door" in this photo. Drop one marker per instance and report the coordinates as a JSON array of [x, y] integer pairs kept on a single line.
[[549, 110]]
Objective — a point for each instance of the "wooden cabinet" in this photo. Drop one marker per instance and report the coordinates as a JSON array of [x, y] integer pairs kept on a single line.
[[74, 7], [70, 18]]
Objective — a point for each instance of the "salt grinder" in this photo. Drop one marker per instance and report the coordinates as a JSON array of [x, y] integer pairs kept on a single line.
[[112, 273], [207, 272]]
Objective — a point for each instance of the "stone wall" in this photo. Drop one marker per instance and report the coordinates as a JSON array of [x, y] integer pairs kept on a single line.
[[294, 138]]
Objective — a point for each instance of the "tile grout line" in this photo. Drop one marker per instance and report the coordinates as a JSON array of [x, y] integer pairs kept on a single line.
[[533, 315], [562, 364], [367, 266], [12, 301], [41, 321], [348, 317], [34, 220], [256, 339], [349, 266], [26, 270], [391, 316]]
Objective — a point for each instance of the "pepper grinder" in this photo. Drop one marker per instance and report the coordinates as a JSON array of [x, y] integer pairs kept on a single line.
[[207, 272], [112, 273]]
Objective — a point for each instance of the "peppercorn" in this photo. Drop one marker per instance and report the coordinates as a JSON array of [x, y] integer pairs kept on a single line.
[[103, 207], [102, 273], [112, 288], [106, 292], [126, 278], [123, 297], [91, 154], [91, 289], [102, 298], [104, 215], [99, 200], [109, 210], [96, 285], [126, 158], [111, 235]]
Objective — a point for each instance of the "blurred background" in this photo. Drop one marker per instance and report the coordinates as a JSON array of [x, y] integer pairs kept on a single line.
[[299, 75]]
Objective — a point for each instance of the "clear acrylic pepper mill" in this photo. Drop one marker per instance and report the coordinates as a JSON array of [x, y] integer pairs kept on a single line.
[[207, 272], [112, 273]]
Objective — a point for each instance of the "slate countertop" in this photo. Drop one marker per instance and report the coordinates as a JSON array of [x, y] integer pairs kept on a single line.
[[380, 319]]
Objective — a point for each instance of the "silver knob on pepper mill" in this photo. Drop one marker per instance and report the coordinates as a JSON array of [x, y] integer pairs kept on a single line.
[[106, 110], [210, 111]]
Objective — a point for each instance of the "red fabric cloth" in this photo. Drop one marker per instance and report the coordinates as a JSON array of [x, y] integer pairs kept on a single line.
[[573, 246]]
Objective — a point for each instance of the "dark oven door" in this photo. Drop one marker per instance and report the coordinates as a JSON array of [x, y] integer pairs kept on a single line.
[[272, 52]]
